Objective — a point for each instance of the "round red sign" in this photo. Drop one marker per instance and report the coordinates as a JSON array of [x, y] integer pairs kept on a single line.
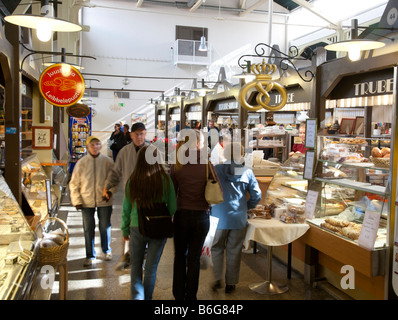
[[61, 85]]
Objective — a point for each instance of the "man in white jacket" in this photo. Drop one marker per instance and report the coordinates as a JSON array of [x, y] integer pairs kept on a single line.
[[86, 187]]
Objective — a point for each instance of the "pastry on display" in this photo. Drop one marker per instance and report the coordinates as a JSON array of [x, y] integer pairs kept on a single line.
[[332, 173], [344, 227], [357, 140], [333, 208]]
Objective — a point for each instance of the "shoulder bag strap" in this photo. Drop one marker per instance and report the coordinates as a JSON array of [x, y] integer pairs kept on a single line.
[[212, 171]]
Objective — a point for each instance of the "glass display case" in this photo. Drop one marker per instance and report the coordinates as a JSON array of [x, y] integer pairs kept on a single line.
[[288, 190], [37, 189], [18, 249], [352, 178]]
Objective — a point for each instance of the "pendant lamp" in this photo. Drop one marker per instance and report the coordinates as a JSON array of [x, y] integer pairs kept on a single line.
[[45, 23], [202, 46], [354, 46]]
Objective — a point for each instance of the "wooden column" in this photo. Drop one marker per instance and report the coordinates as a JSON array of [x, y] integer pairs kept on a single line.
[[12, 115]]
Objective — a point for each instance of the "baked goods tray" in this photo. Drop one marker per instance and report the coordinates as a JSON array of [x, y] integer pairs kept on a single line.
[[362, 186]]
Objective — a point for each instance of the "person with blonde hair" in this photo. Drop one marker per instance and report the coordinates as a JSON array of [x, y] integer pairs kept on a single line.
[[154, 186], [237, 181], [191, 221]]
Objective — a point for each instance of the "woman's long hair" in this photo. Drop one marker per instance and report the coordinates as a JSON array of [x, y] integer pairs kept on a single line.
[[146, 181]]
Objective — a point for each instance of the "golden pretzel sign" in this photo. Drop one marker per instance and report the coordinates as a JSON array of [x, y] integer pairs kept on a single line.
[[263, 85]]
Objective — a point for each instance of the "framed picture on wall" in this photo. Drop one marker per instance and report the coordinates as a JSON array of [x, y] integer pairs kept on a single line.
[[359, 125], [42, 137], [347, 126], [139, 117]]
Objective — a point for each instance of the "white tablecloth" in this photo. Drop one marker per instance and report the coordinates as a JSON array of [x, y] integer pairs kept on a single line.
[[273, 232]]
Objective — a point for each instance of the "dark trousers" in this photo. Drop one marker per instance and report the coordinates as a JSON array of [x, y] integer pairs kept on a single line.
[[190, 231]]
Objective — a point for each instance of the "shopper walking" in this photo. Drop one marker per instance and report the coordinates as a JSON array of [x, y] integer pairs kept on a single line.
[[127, 158], [126, 133], [119, 141], [123, 168], [86, 186], [155, 186], [191, 221], [236, 181]]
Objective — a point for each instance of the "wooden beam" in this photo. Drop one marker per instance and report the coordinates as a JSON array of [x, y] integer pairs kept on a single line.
[[242, 4], [253, 7], [139, 3]]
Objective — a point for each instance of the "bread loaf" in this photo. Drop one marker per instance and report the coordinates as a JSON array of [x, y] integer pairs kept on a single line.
[[376, 152]]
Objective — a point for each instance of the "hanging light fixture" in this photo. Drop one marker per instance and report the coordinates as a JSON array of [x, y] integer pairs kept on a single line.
[[246, 75], [203, 45], [203, 90], [45, 23], [355, 45]]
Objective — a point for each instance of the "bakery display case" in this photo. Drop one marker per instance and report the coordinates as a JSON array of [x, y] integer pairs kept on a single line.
[[287, 191], [351, 178], [37, 189], [18, 249]]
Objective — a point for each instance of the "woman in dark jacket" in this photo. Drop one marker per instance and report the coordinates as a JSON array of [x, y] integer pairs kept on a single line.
[[191, 221], [119, 140]]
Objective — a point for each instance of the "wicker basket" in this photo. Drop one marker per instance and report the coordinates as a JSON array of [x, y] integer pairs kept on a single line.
[[381, 162], [55, 255]]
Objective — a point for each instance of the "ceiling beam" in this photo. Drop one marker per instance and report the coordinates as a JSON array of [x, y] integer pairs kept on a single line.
[[196, 5], [242, 4], [253, 7], [314, 10], [139, 3]]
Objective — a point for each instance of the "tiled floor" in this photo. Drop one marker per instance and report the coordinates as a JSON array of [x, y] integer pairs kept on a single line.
[[105, 282]]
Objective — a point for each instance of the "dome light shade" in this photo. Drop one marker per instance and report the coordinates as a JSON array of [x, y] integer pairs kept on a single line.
[[361, 44], [34, 22], [355, 45]]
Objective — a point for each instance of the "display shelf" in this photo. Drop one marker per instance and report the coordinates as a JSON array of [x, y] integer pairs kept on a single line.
[[18, 246], [35, 184], [349, 185], [360, 186]]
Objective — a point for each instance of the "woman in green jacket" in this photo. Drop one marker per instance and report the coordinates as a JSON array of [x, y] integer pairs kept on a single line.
[[148, 183]]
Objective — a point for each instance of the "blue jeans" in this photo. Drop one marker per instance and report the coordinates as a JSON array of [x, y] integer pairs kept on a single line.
[[104, 217], [190, 231], [141, 290], [229, 241]]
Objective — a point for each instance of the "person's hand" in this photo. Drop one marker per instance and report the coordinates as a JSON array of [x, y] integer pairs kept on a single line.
[[106, 195], [79, 207]]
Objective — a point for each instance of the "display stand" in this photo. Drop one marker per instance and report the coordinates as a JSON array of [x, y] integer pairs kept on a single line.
[[272, 232]]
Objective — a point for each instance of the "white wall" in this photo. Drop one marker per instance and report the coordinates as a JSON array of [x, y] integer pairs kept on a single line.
[[136, 42]]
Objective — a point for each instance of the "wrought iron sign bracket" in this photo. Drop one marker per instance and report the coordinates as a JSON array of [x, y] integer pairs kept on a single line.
[[285, 60], [53, 53]]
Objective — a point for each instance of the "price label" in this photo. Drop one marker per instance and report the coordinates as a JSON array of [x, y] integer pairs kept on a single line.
[[310, 203], [370, 225], [309, 165], [310, 133]]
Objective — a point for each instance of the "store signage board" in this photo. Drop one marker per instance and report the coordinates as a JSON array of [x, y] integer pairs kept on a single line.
[[61, 86], [310, 203], [370, 225], [78, 110]]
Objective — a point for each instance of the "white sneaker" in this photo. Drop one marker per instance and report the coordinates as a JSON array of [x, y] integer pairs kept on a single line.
[[108, 256], [88, 262]]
